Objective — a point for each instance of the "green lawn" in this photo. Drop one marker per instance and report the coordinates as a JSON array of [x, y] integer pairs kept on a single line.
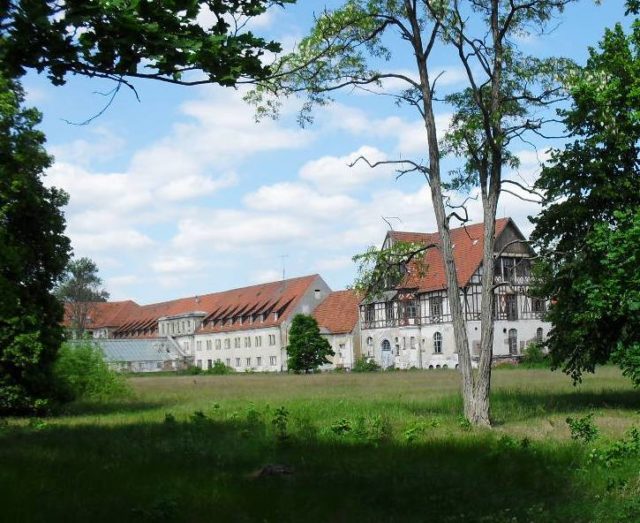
[[369, 447]]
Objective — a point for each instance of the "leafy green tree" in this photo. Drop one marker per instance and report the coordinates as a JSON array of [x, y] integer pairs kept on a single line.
[[79, 289], [33, 253], [588, 231], [307, 349], [118, 39], [504, 102]]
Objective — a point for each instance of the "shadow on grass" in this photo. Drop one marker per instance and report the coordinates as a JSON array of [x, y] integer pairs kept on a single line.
[[93, 408], [200, 470], [517, 405]]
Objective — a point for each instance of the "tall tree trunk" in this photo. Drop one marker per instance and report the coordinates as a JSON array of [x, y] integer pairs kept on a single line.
[[446, 247]]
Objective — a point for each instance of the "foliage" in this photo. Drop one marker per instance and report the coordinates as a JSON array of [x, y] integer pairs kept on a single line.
[[307, 349], [119, 39], [364, 364], [534, 356], [220, 369], [33, 253], [583, 429], [280, 422], [588, 232], [79, 288], [82, 373], [382, 269], [618, 451]]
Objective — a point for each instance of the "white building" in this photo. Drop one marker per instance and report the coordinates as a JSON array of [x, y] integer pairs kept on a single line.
[[337, 317], [410, 324]]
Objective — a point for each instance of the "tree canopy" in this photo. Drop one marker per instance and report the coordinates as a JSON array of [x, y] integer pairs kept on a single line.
[[33, 253], [163, 40], [79, 289], [307, 349], [587, 232]]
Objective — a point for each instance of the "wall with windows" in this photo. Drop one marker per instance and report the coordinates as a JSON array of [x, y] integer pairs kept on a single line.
[[257, 350]]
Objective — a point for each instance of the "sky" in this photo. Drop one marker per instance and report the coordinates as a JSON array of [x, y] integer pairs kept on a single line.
[[182, 193]]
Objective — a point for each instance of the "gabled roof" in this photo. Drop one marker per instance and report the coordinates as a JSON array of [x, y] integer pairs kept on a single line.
[[468, 248], [338, 313], [281, 297]]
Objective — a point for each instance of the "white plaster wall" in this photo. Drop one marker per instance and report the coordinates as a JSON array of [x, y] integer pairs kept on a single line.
[[265, 351], [344, 357]]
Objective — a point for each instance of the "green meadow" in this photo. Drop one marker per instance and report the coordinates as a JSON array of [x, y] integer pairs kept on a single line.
[[388, 446]]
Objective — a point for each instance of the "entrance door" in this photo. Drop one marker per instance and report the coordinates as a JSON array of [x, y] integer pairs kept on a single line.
[[387, 355]]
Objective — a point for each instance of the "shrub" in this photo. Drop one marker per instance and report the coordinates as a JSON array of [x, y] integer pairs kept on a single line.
[[364, 364], [583, 429], [80, 372], [534, 356], [220, 369]]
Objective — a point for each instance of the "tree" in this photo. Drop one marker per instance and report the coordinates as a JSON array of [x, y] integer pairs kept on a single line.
[[135, 39], [505, 98], [79, 289], [588, 231], [117, 40], [33, 253], [307, 349]]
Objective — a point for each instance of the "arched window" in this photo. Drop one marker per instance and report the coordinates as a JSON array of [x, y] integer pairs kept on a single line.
[[369, 341], [513, 341], [437, 343], [539, 335]]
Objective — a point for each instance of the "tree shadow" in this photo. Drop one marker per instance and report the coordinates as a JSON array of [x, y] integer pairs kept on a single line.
[[209, 470], [100, 408]]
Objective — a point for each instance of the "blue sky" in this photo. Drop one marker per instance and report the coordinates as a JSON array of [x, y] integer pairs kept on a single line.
[[183, 193]]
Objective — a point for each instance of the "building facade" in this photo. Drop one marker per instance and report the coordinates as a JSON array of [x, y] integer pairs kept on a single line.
[[410, 325]]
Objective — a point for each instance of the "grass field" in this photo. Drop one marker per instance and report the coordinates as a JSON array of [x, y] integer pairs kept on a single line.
[[368, 447]]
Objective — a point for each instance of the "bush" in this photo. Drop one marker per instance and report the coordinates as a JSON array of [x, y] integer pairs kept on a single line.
[[80, 372], [534, 356], [220, 369], [583, 429], [364, 364]]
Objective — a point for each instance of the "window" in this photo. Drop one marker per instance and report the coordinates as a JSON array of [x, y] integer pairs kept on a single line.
[[539, 335], [435, 308], [182, 329], [369, 341], [186, 346], [523, 268], [228, 360], [539, 306], [437, 343], [411, 309], [513, 341], [236, 342], [511, 306], [173, 328], [272, 339], [248, 362], [247, 341], [198, 345], [227, 343], [412, 342], [209, 364], [258, 341], [389, 311], [237, 362], [208, 344], [370, 313], [259, 361], [199, 364], [273, 360], [218, 344]]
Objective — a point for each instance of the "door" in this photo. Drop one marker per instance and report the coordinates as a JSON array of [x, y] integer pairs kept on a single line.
[[387, 355]]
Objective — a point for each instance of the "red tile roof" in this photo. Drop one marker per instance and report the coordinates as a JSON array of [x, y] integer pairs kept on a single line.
[[338, 313], [104, 314], [468, 246], [280, 297]]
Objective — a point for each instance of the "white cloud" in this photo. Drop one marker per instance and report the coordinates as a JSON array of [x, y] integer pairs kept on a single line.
[[265, 276], [331, 174], [176, 264], [102, 145], [297, 198]]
